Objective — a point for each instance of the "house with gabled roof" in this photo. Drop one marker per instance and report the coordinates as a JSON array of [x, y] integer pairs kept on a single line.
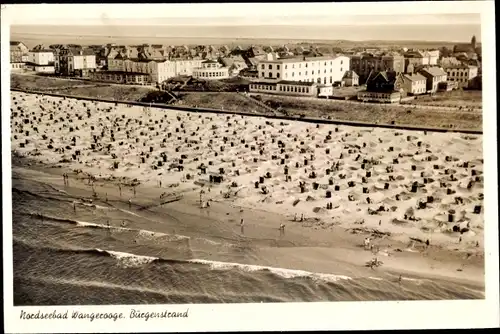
[[383, 87], [72, 61], [434, 76], [18, 55], [414, 84], [350, 78]]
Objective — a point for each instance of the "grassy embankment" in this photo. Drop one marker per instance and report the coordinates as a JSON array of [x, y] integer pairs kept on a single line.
[[455, 99], [370, 113]]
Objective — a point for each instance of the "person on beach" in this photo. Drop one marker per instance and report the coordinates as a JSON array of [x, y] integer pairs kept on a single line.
[[367, 243], [129, 203], [242, 225], [295, 217], [282, 229], [302, 217], [400, 279], [74, 206]]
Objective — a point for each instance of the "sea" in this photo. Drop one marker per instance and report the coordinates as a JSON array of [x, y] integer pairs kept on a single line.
[[68, 251]]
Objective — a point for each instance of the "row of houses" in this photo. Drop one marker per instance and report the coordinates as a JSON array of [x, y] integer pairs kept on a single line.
[[390, 86]]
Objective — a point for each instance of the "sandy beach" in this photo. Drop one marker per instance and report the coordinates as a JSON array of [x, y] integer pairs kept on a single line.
[[418, 196]]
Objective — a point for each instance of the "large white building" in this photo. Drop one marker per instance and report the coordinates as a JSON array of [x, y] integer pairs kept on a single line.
[[461, 74], [74, 61], [323, 70], [41, 57], [211, 70], [41, 61], [158, 70]]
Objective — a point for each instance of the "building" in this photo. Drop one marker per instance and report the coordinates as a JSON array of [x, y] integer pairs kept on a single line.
[[462, 75], [325, 70], [434, 76], [158, 70], [41, 57], [415, 59], [383, 87], [74, 61], [211, 70], [414, 84], [432, 57], [449, 62], [121, 77], [364, 64], [18, 55], [40, 60], [235, 64], [285, 87], [350, 79]]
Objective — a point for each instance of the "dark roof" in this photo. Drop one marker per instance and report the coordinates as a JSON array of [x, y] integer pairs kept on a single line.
[[263, 83], [208, 61], [296, 83], [15, 43], [122, 72], [38, 65], [44, 51]]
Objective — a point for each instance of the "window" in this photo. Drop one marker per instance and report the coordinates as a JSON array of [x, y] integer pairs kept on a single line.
[[313, 72], [270, 66], [277, 75], [325, 71], [286, 66], [300, 73], [341, 70], [270, 75], [263, 67], [306, 73], [262, 74], [278, 67], [293, 73]]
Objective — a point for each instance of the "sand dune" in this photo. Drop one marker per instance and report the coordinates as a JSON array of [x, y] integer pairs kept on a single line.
[[425, 185]]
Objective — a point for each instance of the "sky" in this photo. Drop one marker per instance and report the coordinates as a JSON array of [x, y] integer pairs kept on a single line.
[[456, 22]]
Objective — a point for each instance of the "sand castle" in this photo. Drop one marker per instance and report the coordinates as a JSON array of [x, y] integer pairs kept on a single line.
[[430, 184]]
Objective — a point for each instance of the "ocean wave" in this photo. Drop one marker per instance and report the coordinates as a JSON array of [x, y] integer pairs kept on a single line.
[[79, 223], [128, 259], [282, 272]]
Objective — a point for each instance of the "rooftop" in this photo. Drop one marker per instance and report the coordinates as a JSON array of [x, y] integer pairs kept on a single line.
[[414, 77], [296, 83], [434, 71]]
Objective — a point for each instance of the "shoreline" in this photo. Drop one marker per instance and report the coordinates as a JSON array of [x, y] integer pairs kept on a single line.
[[338, 252]]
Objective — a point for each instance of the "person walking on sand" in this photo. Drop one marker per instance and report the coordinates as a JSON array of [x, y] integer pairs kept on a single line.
[[74, 206], [295, 217], [129, 203], [302, 217], [282, 229], [242, 225]]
